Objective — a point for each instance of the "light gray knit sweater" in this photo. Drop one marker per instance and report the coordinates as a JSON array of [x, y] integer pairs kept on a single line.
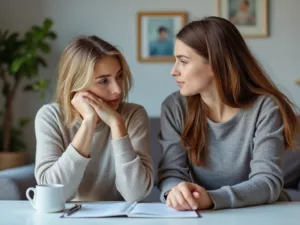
[[116, 170]]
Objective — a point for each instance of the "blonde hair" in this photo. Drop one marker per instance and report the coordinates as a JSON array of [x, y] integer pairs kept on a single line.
[[76, 71]]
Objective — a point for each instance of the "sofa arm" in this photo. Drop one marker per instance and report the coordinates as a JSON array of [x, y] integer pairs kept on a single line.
[[293, 193], [153, 196], [21, 178], [8, 189]]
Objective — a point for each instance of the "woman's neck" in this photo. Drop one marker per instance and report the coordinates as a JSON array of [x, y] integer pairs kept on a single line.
[[217, 111]]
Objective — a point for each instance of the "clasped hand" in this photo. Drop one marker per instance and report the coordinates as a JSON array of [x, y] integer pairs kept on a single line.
[[92, 108], [189, 196]]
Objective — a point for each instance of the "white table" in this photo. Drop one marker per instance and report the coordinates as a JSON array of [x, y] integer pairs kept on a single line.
[[21, 213]]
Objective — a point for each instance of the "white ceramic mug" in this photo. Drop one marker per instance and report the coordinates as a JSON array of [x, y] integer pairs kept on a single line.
[[47, 198]]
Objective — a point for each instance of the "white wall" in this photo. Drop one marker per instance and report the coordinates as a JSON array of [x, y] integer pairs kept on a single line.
[[115, 20]]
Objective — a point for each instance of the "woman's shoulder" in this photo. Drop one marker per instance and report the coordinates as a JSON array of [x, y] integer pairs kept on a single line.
[[129, 109], [174, 99], [264, 108], [49, 111], [264, 103]]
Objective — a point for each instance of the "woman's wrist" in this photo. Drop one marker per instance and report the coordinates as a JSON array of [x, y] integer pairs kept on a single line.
[[90, 122], [83, 138], [118, 128]]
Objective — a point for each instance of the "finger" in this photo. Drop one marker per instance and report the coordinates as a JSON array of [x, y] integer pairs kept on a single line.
[[181, 199], [195, 188], [187, 193], [196, 195], [174, 204], [75, 99], [90, 95], [90, 102], [170, 199], [168, 202]]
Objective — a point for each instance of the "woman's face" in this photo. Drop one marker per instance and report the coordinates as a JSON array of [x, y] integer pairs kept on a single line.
[[108, 81], [192, 72]]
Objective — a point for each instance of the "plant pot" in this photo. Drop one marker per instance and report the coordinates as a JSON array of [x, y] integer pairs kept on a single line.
[[12, 159]]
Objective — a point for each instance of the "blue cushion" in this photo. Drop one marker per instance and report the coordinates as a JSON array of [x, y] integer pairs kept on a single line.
[[9, 189]]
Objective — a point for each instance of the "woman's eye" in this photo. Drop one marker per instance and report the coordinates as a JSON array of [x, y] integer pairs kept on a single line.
[[184, 62], [120, 76], [103, 81]]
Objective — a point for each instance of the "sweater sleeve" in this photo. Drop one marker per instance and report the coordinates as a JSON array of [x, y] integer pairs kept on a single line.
[[56, 164], [133, 162], [266, 179], [173, 167]]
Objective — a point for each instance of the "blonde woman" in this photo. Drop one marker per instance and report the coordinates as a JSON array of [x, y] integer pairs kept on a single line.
[[89, 140]]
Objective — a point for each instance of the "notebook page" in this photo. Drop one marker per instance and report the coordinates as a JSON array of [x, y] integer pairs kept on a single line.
[[158, 210], [101, 210]]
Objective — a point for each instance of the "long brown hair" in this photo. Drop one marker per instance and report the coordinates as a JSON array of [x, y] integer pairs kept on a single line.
[[239, 79], [76, 71]]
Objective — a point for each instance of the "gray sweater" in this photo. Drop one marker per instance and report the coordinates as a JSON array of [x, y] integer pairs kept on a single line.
[[116, 170], [244, 154]]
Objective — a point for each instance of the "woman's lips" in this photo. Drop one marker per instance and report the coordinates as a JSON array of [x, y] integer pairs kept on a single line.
[[179, 83], [114, 102]]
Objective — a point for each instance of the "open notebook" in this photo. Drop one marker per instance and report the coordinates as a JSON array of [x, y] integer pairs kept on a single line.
[[104, 209]]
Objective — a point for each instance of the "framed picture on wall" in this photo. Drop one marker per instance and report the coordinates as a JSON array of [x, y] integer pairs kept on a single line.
[[249, 16], [156, 35]]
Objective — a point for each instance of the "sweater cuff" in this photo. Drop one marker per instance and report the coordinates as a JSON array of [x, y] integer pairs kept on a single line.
[[167, 185], [75, 156], [220, 198], [123, 150]]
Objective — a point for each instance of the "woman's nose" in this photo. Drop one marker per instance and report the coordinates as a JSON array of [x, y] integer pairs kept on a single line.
[[174, 71], [117, 88]]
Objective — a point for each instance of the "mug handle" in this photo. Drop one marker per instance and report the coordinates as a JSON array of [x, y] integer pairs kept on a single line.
[[31, 200]]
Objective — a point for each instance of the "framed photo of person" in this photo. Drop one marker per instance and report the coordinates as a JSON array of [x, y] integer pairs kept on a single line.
[[249, 16], [156, 33]]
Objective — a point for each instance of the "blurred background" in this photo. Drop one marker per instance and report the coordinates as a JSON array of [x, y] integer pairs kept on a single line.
[[115, 21]]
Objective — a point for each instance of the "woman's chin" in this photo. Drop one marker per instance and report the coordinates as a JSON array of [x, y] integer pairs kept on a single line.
[[114, 105]]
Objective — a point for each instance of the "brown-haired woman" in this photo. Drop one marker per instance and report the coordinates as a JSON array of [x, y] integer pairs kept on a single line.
[[89, 139], [224, 133]]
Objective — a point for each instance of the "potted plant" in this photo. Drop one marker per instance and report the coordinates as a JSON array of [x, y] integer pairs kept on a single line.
[[20, 60]]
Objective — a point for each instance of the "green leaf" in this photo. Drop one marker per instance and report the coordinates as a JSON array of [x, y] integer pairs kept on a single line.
[[36, 87], [31, 70], [28, 87], [39, 85], [29, 54], [28, 36], [23, 122], [44, 47], [16, 64], [3, 35], [52, 35], [47, 24], [13, 36], [41, 61], [40, 36], [35, 28], [16, 143]]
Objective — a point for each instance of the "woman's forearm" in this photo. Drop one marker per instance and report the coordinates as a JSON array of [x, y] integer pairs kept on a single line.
[[118, 129], [83, 138]]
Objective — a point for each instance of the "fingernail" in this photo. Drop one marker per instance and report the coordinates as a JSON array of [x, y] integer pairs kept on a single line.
[[195, 207]]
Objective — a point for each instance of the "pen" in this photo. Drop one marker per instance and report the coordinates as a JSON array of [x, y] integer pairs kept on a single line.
[[73, 209]]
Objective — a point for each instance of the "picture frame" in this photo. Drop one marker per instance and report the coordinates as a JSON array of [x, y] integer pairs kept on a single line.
[[249, 16], [156, 33]]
